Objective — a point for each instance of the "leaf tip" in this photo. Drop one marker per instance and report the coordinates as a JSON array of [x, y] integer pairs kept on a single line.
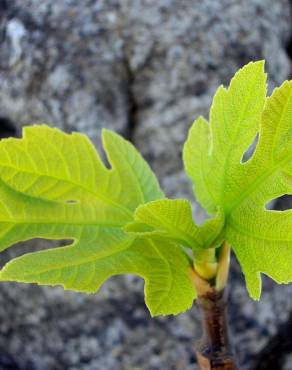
[[255, 64], [254, 285], [107, 134], [154, 312]]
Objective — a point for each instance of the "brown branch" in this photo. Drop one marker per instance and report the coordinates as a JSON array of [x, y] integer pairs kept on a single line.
[[213, 351]]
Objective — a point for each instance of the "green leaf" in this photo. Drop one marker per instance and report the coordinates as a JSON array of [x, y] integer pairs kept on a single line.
[[261, 238], [173, 219], [212, 155], [52, 165], [196, 158], [55, 186]]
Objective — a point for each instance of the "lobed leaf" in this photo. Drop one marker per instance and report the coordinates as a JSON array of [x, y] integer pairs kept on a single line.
[[173, 219], [55, 186], [213, 153], [261, 238]]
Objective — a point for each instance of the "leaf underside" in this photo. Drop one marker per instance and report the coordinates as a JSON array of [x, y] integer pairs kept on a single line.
[[173, 220], [55, 186], [213, 157]]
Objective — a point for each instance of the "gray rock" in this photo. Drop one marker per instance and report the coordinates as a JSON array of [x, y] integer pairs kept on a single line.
[[288, 363], [145, 68], [193, 51], [63, 64]]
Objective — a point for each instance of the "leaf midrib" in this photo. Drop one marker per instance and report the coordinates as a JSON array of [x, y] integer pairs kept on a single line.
[[235, 135], [62, 222], [181, 234], [96, 195], [91, 259], [254, 186], [235, 226]]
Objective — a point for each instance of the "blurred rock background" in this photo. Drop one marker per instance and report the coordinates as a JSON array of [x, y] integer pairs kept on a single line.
[[145, 68]]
